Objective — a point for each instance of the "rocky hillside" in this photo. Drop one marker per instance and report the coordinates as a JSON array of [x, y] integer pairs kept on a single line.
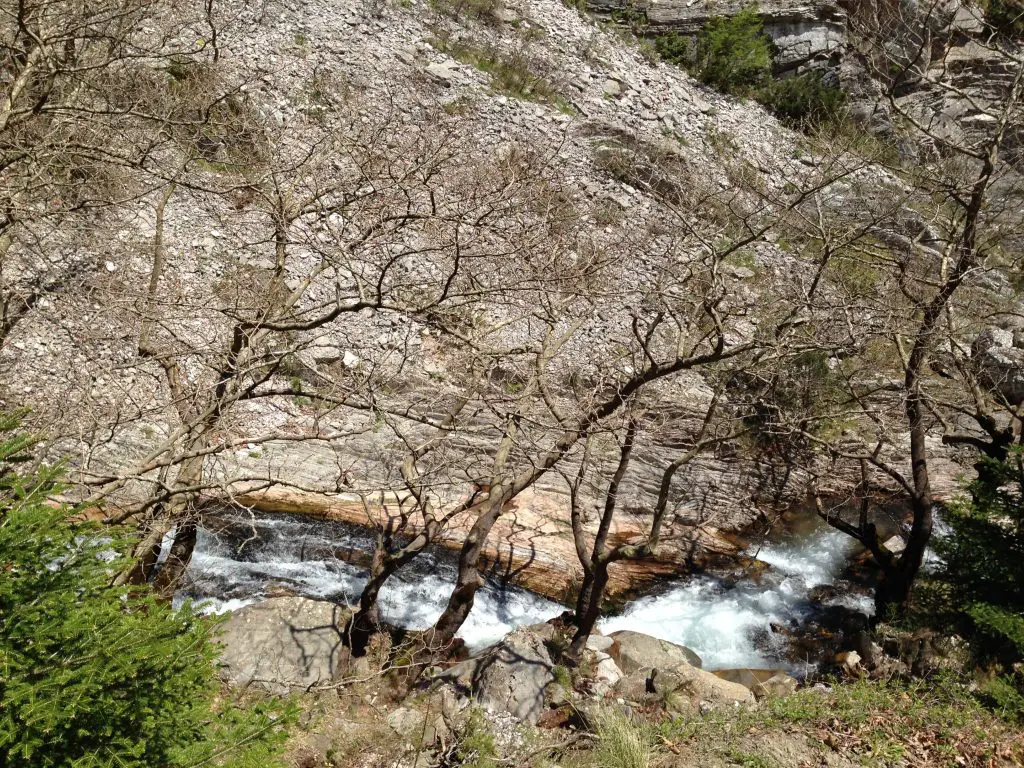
[[340, 166]]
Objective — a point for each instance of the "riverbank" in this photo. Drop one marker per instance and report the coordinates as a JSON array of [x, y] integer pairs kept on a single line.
[[674, 716]]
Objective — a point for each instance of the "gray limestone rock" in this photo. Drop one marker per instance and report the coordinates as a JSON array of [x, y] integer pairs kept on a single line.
[[513, 675], [1000, 362], [284, 643], [634, 650], [761, 682], [684, 688]]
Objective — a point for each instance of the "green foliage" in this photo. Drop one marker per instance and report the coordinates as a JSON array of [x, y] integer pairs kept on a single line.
[[733, 54], [476, 743], [676, 49], [984, 567], [1005, 16], [480, 10], [803, 100], [621, 742], [984, 555], [751, 759], [512, 72], [562, 676], [94, 676]]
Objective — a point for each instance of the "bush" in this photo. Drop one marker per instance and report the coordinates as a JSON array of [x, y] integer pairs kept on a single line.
[[1005, 17], [803, 100], [621, 743], [733, 54], [984, 567], [676, 49], [95, 676], [476, 747]]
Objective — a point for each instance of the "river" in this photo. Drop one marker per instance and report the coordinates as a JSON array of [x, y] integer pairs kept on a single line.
[[240, 559]]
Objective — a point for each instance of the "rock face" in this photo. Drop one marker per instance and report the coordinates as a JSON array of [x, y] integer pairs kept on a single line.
[[284, 643], [415, 727], [999, 355], [633, 651], [513, 675], [805, 33]]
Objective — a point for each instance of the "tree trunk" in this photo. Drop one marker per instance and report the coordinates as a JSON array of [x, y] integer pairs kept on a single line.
[[460, 603], [588, 608], [145, 554], [173, 568], [585, 594], [178, 511], [892, 592], [365, 623]]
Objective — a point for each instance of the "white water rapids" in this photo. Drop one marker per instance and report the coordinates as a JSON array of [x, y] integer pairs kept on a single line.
[[730, 625], [727, 625], [239, 566]]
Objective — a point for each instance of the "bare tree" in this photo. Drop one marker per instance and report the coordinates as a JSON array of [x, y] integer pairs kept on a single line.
[[930, 300], [85, 105]]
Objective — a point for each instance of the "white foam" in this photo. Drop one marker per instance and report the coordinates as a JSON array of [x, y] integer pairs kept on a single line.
[[727, 627], [413, 598], [731, 627]]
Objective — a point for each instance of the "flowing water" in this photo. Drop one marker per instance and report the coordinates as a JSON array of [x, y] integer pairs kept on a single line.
[[241, 559], [729, 623]]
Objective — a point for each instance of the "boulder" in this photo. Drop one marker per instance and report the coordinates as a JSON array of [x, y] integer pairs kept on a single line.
[[612, 87], [606, 674], [849, 662], [512, 676], [599, 643], [685, 688], [284, 643], [415, 727], [761, 682], [895, 544], [1000, 362], [633, 651], [636, 686], [445, 73]]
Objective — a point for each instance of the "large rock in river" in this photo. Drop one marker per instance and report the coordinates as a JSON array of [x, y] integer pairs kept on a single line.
[[284, 643], [634, 650]]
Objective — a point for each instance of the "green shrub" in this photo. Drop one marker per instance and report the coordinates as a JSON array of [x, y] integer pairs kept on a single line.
[[94, 676], [1005, 17], [984, 566], [513, 72], [676, 49], [476, 747], [481, 10], [802, 100], [733, 54]]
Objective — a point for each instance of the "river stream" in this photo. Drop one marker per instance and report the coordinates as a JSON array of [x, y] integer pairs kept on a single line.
[[240, 559]]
